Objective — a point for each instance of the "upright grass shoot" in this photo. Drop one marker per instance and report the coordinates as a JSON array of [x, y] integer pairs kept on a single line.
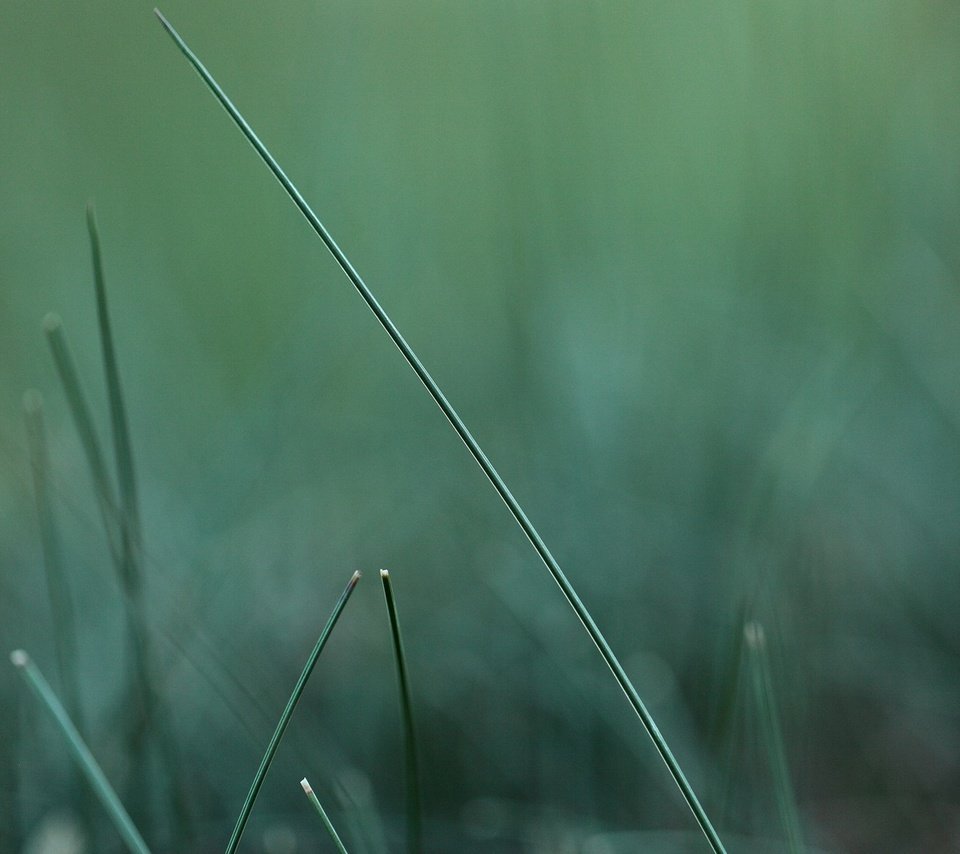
[[121, 523], [130, 533], [81, 753], [131, 536], [58, 588], [311, 795], [765, 698], [467, 438], [277, 736], [413, 794]]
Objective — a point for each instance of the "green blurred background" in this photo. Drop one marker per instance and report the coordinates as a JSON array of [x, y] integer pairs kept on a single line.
[[690, 273]]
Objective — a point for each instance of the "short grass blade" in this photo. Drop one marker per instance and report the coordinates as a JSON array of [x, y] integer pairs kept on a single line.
[[467, 438], [414, 807], [81, 753], [308, 791], [277, 736]]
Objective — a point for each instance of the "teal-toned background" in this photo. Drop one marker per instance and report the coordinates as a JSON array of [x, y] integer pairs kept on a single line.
[[690, 273]]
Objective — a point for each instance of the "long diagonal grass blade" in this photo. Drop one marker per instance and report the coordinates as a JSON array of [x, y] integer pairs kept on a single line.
[[277, 736], [466, 437]]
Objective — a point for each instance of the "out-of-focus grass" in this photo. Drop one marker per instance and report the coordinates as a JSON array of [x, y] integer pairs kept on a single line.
[[705, 257]]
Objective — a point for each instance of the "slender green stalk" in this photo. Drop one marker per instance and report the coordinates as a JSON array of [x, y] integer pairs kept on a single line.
[[755, 639], [277, 736], [414, 808], [83, 422], [81, 753], [308, 791], [466, 437], [58, 589], [130, 557], [126, 478]]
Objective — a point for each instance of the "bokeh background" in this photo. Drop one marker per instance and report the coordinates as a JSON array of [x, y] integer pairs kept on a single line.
[[690, 273]]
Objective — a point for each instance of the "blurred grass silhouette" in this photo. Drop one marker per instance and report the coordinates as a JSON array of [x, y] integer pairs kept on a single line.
[[689, 272]]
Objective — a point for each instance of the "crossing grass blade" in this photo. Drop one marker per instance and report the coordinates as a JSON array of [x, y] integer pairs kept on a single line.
[[277, 736], [81, 753], [467, 438], [312, 796], [414, 800]]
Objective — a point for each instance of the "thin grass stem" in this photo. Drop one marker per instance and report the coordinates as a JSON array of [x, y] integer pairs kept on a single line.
[[87, 433], [308, 791], [466, 437], [81, 753], [62, 609], [58, 588], [414, 800], [277, 736], [123, 453], [765, 698], [130, 563]]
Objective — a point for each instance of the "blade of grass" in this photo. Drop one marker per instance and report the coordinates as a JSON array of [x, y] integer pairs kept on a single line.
[[466, 437], [277, 736], [414, 808], [83, 423], [62, 609], [308, 791], [756, 642], [126, 477], [81, 753], [61, 602], [131, 544]]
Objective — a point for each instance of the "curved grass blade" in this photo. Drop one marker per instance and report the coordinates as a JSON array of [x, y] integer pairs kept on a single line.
[[756, 642], [81, 753], [308, 791], [466, 437], [414, 807], [277, 736]]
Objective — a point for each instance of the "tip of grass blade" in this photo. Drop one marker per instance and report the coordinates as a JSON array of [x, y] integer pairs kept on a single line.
[[52, 322], [305, 785], [166, 24], [384, 573], [356, 577], [19, 658]]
